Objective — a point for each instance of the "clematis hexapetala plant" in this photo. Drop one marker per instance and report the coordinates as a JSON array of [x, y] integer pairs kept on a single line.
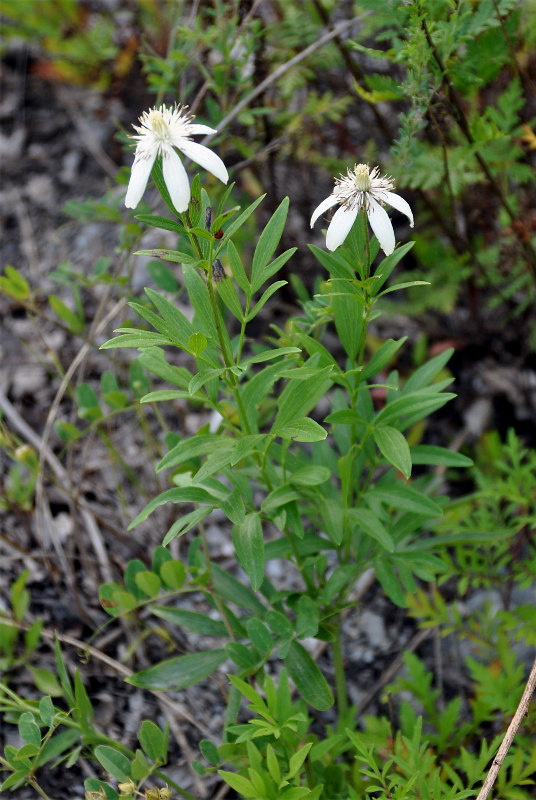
[[162, 131], [362, 189]]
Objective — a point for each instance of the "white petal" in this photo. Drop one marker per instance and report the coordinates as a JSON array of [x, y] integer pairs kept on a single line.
[[196, 127], [324, 205], [176, 179], [205, 158], [382, 227], [139, 175], [339, 227], [400, 204]]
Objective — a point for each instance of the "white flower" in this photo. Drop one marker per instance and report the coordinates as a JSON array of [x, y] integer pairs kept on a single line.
[[162, 129], [362, 188]]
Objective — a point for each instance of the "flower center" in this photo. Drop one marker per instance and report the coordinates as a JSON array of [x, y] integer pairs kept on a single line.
[[362, 178], [158, 124]]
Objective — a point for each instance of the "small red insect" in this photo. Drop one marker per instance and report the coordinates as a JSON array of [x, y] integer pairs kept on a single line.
[[218, 234]]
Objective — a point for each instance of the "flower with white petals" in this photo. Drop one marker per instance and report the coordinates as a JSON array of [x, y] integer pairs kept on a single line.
[[162, 130], [362, 189]]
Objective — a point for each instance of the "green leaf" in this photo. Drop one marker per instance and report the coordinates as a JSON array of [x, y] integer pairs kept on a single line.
[[169, 255], [185, 523], [372, 526], [46, 710], [394, 447], [233, 591], [14, 284], [300, 396], [200, 299], [197, 342], [160, 222], [188, 494], [63, 675], [173, 574], [113, 762], [133, 568], [177, 326], [15, 777], [71, 318], [296, 761], [302, 430], [209, 751], [279, 624], [270, 354], [29, 729], [83, 710], [408, 408], [406, 498], [278, 497], [226, 290], [264, 298], [178, 673], [67, 431], [193, 620], [268, 241], [440, 456], [136, 338], [148, 582], [239, 221], [307, 677], [275, 265], [312, 475], [345, 416], [162, 276], [239, 783], [382, 357], [154, 360], [307, 617], [348, 316], [389, 582], [237, 268], [260, 636], [152, 740], [88, 402], [423, 376], [249, 545]]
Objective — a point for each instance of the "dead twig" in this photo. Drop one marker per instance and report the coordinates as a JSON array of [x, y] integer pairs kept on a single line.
[[522, 709]]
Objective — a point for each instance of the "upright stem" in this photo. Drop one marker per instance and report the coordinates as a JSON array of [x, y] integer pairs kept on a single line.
[[227, 357]]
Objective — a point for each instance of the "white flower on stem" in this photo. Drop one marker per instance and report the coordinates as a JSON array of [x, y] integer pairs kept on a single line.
[[362, 189], [162, 130]]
